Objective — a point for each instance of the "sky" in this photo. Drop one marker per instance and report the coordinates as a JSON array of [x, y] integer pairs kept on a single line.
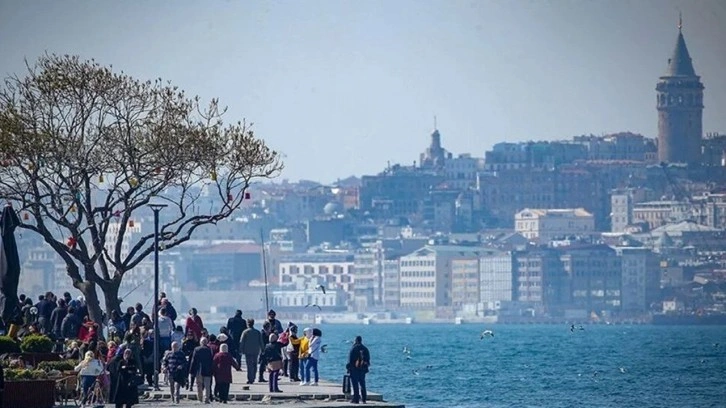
[[343, 87]]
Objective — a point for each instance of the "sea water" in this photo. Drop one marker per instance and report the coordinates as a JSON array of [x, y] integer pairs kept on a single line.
[[537, 365]]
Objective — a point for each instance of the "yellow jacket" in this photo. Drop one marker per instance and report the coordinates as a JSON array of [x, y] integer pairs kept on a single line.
[[304, 348]]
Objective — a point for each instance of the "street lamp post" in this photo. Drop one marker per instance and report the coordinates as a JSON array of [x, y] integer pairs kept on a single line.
[[156, 208]]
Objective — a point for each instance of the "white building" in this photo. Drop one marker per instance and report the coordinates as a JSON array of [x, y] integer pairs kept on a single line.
[[659, 213], [368, 271], [336, 269], [461, 171], [545, 225], [305, 293], [495, 271], [427, 276], [418, 280], [131, 235]]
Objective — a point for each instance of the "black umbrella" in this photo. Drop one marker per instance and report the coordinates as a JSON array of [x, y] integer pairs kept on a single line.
[[9, 267]]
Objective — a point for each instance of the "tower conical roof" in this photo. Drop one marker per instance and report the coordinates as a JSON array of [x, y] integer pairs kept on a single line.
[[680, 63]]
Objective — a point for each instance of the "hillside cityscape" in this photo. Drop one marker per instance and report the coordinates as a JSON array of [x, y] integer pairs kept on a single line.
[[592, 228]]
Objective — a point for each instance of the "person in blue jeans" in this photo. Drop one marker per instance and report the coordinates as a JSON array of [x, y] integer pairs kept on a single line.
[[89, 368], [312, 360]]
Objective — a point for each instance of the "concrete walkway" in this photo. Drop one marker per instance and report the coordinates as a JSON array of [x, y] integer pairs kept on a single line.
[[326, 394]]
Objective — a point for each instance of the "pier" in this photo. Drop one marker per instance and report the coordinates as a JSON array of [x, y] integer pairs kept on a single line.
[[325, 395]]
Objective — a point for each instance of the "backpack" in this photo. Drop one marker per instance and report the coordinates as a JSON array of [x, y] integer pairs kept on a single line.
[[361, 361]]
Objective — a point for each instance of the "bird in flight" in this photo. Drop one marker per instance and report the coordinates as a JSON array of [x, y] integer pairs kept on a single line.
[[486, 333], [324, 348], [406, 350], [315, 305], [321, 287]]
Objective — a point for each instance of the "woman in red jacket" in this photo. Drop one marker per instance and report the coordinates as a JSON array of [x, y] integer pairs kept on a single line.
[[194, 324], [222, 370]]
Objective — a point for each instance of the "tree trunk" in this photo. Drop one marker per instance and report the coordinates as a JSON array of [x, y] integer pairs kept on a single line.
[[110, 294], [88, 288]]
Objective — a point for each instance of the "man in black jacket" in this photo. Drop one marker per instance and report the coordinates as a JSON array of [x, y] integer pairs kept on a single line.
[[201, 368], [236, 325], [57, 316], [359, 359]]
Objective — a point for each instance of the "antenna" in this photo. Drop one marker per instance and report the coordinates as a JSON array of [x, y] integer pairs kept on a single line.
[[680, 21], [435, 127], [264, 268]]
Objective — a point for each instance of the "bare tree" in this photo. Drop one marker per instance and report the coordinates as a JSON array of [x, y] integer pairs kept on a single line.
[[83, 148]]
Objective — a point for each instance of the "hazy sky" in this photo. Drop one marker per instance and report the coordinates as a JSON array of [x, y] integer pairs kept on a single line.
[[342, 87]]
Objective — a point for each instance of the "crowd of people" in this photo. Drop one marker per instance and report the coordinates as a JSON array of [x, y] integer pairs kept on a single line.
[[122, 359]]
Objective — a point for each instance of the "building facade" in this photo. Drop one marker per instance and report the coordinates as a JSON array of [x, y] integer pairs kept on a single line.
[[543, 226], [495, 272]]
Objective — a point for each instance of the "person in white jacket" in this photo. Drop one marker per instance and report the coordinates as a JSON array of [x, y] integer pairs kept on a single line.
[[89, 368], [312, 360]]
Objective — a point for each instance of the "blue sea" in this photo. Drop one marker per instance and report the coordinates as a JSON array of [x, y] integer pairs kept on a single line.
[[537, 365]]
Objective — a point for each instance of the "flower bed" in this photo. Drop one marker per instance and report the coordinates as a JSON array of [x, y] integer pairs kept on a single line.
[[28, 388]]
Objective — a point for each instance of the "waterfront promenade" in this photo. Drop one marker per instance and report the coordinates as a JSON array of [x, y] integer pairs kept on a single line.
[[325, 395]]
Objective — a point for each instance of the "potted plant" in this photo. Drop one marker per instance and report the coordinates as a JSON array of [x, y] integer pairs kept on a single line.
[[58, 368], [37, 348], [28, 388], [8, 345]]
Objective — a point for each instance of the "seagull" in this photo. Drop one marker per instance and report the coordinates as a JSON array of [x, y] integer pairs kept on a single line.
[[315, 305], [623, 370], [572, 327], [415, 372], [406, 350], [324, 348], [580, 328], [321, 287], [486, 333]]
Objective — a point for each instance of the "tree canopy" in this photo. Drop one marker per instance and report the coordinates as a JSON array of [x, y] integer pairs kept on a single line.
[[82, 148]]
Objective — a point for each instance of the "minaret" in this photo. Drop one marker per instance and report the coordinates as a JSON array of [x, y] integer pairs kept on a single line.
[[680, 108]]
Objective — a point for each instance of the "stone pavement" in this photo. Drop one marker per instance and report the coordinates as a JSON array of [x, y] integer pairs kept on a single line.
[[325, 395]]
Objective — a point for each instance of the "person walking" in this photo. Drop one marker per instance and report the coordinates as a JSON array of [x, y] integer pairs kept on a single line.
[[273, 356], [201, 366], [251, 346], [222, 369], [194, 324], [236, 325], [359, 359], [88, 370], [125, 392], [176, 365]]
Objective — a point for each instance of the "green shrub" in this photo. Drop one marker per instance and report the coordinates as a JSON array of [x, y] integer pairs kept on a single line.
[[36, 343], [8, 345], [63, 365], [14, 374]]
